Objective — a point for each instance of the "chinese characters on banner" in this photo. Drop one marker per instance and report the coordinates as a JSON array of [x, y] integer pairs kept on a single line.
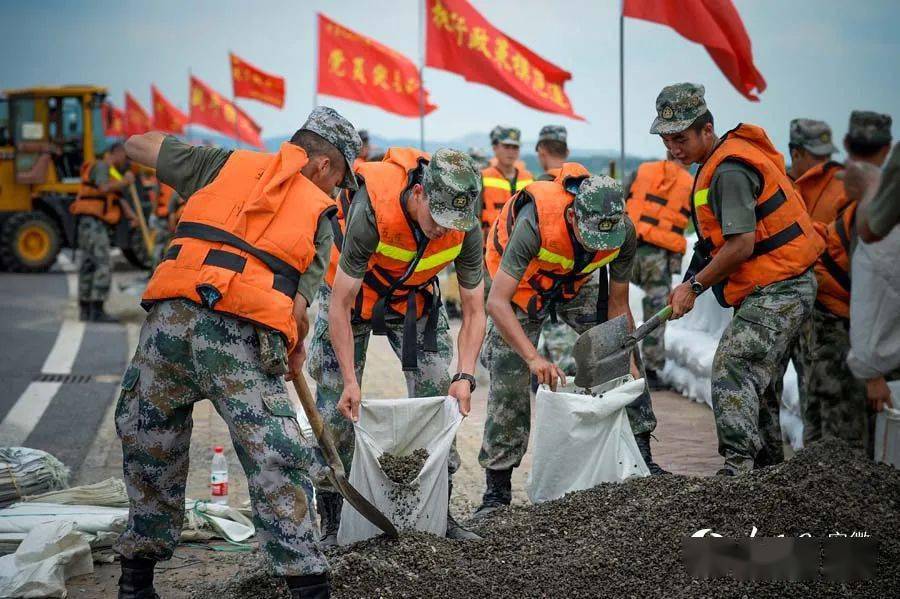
[[113, 120], [356, 67], [166, 116], [250, 82], [137, 120], [462, 41], [211, 109]]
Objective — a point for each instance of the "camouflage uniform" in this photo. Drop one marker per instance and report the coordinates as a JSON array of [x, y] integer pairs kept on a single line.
[[187, 353], [653, 270], [94, 271]]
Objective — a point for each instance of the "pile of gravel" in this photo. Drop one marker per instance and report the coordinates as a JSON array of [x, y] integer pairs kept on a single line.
[[403, 470], [623, 540]]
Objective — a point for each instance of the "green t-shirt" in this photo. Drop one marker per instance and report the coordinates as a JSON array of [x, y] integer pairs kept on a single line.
[[361, 238], [733, 191], [525, 243], [883, 212], [188, 168]]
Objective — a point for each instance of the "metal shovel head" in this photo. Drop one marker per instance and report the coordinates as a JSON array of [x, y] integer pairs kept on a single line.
[[598, 353], [362, 505]]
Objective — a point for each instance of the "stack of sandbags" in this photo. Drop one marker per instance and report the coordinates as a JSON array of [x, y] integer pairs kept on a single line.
[[25, 471]]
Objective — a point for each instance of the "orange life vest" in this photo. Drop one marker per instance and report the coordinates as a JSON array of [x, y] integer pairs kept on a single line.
[[496, 190], [162, 200], [823, 193], [401, 279], [787, 244], [357, 162], [556, 273], [91, 201], [244, 240], [833, 267], [659, 204]]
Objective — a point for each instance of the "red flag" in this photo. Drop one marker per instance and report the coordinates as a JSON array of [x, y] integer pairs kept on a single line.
[[462, 41], [166, 116], [715, 24], [137, 120], [113, 120], [356, 67], [211, 109], [250, 82]]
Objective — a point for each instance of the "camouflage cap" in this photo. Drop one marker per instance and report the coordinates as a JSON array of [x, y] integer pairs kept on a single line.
[[677, 107], [552, 133], [452, 187], [328, 124], [600, 212], [869, 127], [501, 134], [812, 136]]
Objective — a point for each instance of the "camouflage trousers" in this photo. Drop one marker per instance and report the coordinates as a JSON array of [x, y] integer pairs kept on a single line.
[[555, 344], [187, 353], [94, 271], [508, 422], [837, 401], [747, 370], [430, 379], [653, 270]]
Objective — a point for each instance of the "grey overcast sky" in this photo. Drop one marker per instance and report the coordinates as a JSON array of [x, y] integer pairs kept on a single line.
[[821, 59]]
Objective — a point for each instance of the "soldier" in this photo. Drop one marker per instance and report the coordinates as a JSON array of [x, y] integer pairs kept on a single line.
[[413, 216], [552, 150], [756, 246], [164, 201], [504, 177], [658, 203], [813, 171], [544, 247], [837, 400], [364, 151], [98, 206], [226, 321]]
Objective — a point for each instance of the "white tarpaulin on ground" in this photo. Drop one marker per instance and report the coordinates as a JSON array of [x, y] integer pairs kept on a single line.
[[691, 343], [49, 555], [581, 441], [399, 427]]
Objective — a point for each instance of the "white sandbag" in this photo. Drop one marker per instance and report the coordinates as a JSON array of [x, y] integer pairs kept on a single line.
[[399, 427], [887, 430], [22, 517], [581, 441], [50, 554]]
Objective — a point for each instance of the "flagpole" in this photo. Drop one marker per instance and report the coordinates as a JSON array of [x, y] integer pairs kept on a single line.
[[315, 83], [187, 126], [422, 74], [622, 90]]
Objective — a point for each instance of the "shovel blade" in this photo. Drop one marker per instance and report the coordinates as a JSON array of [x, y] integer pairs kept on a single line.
[[363, 505], [598, 353]]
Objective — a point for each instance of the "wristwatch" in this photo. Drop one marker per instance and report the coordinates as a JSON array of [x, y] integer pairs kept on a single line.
[[462, 376], [696, 286]]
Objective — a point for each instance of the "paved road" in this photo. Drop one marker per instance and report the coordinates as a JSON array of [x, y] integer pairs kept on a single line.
[[58, 376]]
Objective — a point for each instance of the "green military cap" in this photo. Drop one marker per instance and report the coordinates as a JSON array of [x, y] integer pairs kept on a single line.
[[328, 124], [501, 134], [869, 127], [552, 133], [452, 187], [677, 107], [812, 136], [600, 212]]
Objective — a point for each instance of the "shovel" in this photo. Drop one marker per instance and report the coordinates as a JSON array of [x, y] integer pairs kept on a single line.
[[603, 353], [338, 476]]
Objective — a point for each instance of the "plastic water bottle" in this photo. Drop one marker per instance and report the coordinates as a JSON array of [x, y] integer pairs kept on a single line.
[[218, 480]]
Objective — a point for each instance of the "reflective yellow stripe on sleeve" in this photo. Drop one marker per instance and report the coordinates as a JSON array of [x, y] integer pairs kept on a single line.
[[700, 197], [600, 263], [496, 183]]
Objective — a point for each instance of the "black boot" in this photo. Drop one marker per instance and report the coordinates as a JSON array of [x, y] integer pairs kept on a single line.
[[498, 493], [99, 315], [136, 581], [643, 443], [655, 382], [84, 311], [311, 586], [329, 505], [455, 531]]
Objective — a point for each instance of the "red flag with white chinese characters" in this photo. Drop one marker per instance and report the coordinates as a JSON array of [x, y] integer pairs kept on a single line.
[[250, 82], [356, 67], [716, 25], [166, 116], [137, 120], [211, 109], [462, 41], [113, 120]]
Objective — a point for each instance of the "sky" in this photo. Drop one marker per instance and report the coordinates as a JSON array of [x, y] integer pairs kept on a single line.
[[821, 59]]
